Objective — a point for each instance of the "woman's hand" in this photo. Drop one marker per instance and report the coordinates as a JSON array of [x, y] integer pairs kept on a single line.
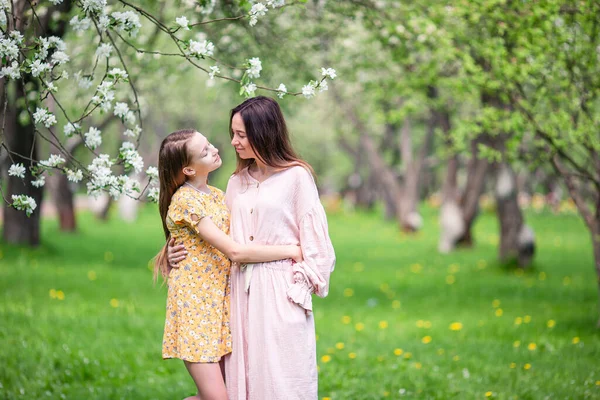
[[297, 254], [175, 253]]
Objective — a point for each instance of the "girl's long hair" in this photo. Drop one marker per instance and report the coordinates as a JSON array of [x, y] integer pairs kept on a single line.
[[172, 158], [267, 134]]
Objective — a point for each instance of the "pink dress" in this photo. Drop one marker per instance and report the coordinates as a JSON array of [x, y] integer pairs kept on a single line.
[[274, 346]]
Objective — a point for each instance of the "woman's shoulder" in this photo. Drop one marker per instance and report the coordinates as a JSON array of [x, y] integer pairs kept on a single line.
[[300, 174]]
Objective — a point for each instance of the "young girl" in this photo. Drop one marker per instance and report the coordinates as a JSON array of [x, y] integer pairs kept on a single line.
[[194, 213]]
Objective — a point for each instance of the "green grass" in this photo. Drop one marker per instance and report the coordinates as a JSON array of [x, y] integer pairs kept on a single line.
[[389, 291]]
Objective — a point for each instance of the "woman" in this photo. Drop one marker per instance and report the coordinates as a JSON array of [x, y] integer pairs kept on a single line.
[[197, 323], [273, 199]]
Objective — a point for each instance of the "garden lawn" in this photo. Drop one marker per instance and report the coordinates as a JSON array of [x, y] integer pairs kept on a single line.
[[81, 319]]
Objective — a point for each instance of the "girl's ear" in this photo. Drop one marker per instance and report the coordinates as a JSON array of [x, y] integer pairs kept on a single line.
[[187, 171]]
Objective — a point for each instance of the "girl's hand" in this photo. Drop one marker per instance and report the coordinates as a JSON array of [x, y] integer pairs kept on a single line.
[[175, 253], [297, 254]]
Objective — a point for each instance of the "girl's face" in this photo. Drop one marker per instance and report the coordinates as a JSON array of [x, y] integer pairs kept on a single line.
[[204, 156], [240, 139]]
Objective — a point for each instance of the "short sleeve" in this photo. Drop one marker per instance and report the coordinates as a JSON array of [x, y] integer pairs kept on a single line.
[[187, 211]]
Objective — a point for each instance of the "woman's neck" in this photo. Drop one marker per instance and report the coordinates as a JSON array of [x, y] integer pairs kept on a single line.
[[262, 169]]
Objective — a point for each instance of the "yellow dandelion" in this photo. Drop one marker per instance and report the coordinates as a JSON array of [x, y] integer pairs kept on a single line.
[[109, 256], [450, 279], [513, 365], [60, 295], [52, 293], [527, 319], [360, 326], [576, 340], [488, 394], [326, 398], [418, 365], [114, 303], [427, 324], [346, 320], [348, 292], [527, 366], [551, 323], [398, 352], [383, 324], [408, 355], [441, 351], [496, 303], [456, 358], [597, 383], [352, 356], [499, 312], [518, 321], [456, 326], [517, 343], [326, 358], [532, 346], [386, 394], [396, 304], [339, 345], [542, 276], [92, 275], [426, 339]]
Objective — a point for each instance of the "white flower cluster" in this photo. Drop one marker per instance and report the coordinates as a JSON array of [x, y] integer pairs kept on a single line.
[[13, 71], [122, 111], [42, 116], [135, 132], [132, 158], [152, 173], [281, 91], [93, 138], [74, 176], [259, 10], [4, 6], [104, 50], [213, 71], [24, 203], [127, 21], [309, 90], [249, 89], [71, 129], [153, 194], [117, 73], [102, 176], [39, 182], [80, 25], [183, 22], [17, 170], [9, 47], [201, 49], [54, 161], [93, 6], [105, 95], [254, 68]]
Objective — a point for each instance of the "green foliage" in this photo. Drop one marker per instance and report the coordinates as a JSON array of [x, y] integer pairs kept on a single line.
[[82, 319]]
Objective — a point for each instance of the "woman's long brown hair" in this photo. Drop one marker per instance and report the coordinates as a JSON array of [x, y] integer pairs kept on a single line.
[[172, 158], [267, 134]]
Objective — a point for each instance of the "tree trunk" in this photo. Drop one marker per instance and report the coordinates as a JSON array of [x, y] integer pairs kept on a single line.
[[62, 196], [596, 243], [18, 227]]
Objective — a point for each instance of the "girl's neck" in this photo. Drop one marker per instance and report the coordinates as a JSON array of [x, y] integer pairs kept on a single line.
[[199, 182]]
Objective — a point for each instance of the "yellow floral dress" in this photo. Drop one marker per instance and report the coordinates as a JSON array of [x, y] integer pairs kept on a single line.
[[197, 324]]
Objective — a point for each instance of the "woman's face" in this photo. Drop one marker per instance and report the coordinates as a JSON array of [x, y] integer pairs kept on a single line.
[[240, 139], [204, 156]]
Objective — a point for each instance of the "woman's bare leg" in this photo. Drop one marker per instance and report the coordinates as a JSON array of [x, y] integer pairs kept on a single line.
[[208, 379]]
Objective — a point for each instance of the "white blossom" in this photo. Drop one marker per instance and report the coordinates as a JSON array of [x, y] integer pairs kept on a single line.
[[104, 50], [249, 89], [121, 109], [54, 161], [257, 10], [93, 6], [153, 194], [308, 91], [70, 129], [93, 138], [39, 182], [103, 23], [17, 170], [80, 25], [118, 73], [152, 172], [56, 2], [281, 91], [17, 37], [38, 67], [24, 203], [57, 43], [51, 87], [213, 71], [131, 157], [183, 22], [255, 66], [59, 58], [201, 49], [328, 72], [42, 116], [127, 21], [8, 48], [101, 177], [129, 117], [275, 3], [12, 72], [74, 176], [323, 86]]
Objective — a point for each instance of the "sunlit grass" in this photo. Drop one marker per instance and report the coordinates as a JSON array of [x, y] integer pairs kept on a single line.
[[82, 319]]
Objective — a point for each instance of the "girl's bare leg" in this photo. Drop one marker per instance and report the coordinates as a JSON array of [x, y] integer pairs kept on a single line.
[[208, 379]]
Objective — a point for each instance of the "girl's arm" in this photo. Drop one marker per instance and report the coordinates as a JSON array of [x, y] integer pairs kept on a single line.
[[240, 252]]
